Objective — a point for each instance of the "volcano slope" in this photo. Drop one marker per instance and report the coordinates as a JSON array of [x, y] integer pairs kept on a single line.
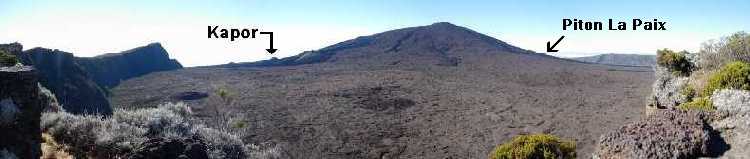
[[437, 91]]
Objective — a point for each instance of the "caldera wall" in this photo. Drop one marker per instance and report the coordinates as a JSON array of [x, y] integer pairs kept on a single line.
[[20, 112]]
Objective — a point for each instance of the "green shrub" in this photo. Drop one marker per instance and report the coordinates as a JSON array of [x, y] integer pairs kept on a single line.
[[7, 59], [688, 91], [734, 75], [535, 146], [674, 61], [702, 103]]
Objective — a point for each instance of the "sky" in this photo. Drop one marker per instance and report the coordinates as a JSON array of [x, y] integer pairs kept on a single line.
[[90, 28]]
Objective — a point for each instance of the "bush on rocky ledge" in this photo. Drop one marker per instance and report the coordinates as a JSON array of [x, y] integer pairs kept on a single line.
[[535, 146], [702, 103], [735, 75], [676, 62]]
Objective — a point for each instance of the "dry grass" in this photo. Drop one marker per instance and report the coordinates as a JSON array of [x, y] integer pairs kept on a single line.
[[699, 79], [52, 150]]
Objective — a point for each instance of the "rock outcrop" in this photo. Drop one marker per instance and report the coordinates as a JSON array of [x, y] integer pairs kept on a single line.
[[666, 89], [13, 48], [20, 112], [663, 134], [70, 83], [733, 107], [109, 69], [81, 83]]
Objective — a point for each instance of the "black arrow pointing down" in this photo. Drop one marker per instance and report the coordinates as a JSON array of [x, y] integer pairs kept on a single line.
[[270, 49]]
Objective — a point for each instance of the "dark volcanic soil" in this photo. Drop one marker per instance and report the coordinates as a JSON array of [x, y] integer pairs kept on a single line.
[[417, 106]]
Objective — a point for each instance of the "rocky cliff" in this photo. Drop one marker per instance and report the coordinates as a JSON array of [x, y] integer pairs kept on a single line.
[[71, 84], [109, 69], [20, 112], [81, 83]]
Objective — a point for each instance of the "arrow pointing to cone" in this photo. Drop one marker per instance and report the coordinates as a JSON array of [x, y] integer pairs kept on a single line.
[[270, 49], [551, 49]]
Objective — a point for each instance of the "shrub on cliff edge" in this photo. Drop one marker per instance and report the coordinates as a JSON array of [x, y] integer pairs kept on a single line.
[[702, 103], [674, 61], [734, 75]]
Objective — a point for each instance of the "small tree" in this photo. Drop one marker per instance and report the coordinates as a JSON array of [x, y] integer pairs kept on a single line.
[[714, 54], [227, 100]]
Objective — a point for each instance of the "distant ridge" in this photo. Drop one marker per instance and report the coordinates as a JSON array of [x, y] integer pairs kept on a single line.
[[109, 69], [620, 59]]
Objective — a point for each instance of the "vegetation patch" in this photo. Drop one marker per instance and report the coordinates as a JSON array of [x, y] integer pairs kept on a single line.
[[688, 91], [735, 75], [715, 54], [7, 59], [535, 146], [702, 103], [122, 134], [674, 61]]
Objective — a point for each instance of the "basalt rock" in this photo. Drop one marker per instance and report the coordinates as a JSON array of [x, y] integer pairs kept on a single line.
[[733, 107], [666, 89], [663, 134], [20, 112]]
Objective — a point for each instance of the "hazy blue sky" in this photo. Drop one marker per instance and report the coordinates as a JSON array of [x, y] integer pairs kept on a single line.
[[88, 28]]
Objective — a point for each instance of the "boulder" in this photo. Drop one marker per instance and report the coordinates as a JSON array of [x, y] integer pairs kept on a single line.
[[663, 134], [666, 89], [733, 107], [20, 112]]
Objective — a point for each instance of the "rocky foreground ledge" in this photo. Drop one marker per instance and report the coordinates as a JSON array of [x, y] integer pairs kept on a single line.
[[662, 134], [20, 112]]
